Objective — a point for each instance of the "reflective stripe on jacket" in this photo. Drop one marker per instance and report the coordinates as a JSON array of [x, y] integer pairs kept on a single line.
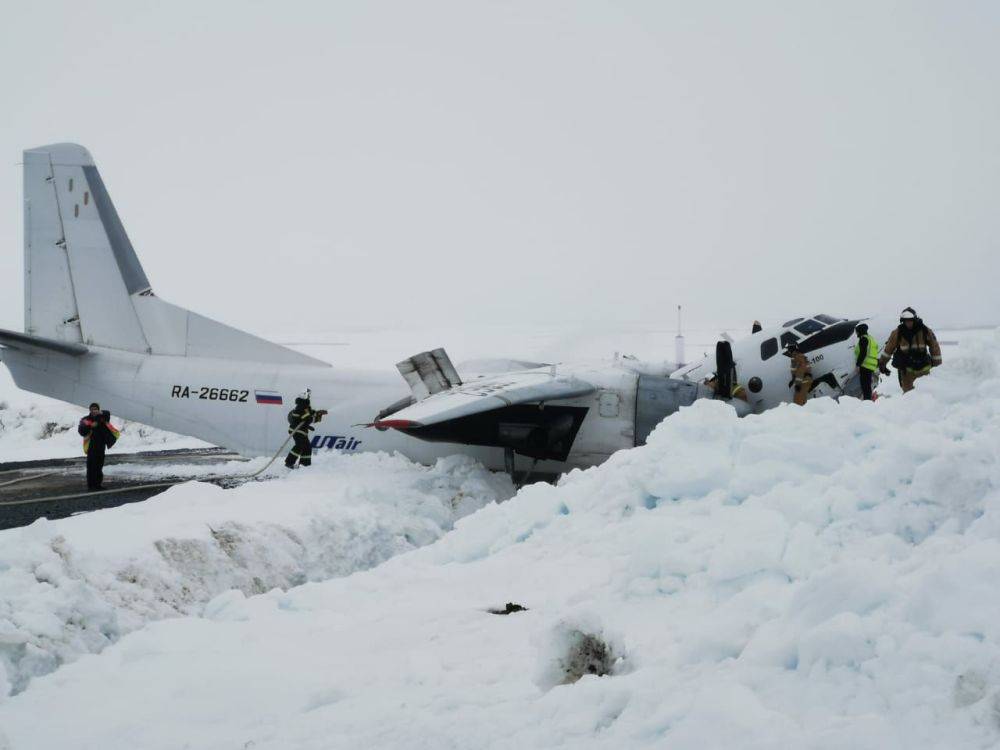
[[302, 419], [912, 348], [108, 433]]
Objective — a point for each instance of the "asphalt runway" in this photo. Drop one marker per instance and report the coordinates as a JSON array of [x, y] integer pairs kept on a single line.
[[23, 500]]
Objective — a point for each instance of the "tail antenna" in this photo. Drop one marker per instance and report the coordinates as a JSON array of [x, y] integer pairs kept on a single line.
[[679, 340]]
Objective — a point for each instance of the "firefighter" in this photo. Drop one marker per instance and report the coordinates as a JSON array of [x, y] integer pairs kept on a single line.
[[735, 390], [801, 382], [866, 358], [98, 435], [913, 348], [724, 382], [300, 423]]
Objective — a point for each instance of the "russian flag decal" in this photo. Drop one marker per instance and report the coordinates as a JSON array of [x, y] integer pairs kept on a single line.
[[268, 397]]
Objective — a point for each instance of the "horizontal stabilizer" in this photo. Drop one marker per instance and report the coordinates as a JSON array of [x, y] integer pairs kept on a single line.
[[15, 340], [487, 394]]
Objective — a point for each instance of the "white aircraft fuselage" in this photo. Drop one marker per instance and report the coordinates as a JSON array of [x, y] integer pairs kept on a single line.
[[95, 331], [228, 403]]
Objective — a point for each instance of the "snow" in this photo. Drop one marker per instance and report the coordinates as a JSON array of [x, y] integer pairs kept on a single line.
[[74, 586], [816, 577]]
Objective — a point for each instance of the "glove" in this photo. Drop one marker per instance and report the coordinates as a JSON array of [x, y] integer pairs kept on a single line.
[[884, 370]]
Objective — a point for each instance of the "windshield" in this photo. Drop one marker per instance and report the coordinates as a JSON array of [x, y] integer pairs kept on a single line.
[[828, 319], [808, 326]]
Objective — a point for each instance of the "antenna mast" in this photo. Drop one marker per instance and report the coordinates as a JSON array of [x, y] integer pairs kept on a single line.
[[679, 340]]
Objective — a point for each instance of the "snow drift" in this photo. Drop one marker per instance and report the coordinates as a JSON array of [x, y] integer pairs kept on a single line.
[[820, 577], [73, 586]]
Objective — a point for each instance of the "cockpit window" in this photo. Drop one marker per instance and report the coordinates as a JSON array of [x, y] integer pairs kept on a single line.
[[809, 326], [768, 348], [830, 335], [788, 338], [828, 319], [790, 323]]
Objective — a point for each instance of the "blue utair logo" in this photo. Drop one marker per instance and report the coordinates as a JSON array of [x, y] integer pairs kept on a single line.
[[335, 442]]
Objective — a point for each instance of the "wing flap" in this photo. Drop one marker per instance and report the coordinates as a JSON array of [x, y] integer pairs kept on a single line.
[[487, 394]]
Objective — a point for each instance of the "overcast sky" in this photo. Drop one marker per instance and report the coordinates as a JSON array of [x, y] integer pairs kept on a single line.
[[303, 166]]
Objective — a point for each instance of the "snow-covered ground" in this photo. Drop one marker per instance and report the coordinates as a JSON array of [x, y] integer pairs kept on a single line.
[[73, 586], [820, 577]]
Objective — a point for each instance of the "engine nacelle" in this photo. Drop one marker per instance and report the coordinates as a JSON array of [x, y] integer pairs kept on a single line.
[[657, 398]]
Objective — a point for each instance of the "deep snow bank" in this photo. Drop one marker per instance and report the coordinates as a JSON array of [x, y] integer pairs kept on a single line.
[[822, 577], [75, 585]]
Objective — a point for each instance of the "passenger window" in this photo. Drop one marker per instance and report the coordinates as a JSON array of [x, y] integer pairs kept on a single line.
[[791, 322], [768, 348], [788, 338], [828, 319], [809, 326]]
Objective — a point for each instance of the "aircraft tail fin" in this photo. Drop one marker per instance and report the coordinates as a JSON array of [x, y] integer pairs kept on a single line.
[[84, 283]]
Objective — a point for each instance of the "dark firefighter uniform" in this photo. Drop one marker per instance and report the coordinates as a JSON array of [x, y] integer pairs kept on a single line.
[[913, 348], [735, 390], [300, 423], [866, 358], [98, 435], [724, 382]]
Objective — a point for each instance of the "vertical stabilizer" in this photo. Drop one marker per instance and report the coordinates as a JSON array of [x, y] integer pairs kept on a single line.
[[83, 283], [49, 300], [80, 268]]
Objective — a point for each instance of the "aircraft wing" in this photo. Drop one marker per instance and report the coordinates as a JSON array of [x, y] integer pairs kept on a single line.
[[15, 340], [486, 394]]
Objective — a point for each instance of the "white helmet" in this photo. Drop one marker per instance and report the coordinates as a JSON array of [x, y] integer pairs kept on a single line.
[[908, 314], [306, 394]]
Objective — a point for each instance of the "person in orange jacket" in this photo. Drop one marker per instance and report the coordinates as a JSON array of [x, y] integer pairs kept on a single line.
[[98, 435], [913, 349], [802, 379]]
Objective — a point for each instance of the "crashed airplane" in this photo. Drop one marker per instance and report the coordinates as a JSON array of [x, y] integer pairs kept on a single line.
[[95, 331]]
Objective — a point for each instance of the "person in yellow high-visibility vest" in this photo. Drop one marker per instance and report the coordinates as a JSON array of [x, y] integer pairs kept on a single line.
[[866, 358]]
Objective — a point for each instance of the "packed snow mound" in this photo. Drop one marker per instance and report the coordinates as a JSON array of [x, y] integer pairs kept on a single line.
[[74, 586], [820, 577], [34, 427]]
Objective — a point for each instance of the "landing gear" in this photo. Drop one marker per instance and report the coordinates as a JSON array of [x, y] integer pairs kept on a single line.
[[508, 466]]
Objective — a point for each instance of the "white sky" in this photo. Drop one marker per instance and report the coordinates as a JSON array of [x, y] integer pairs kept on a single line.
[[303, 166]]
